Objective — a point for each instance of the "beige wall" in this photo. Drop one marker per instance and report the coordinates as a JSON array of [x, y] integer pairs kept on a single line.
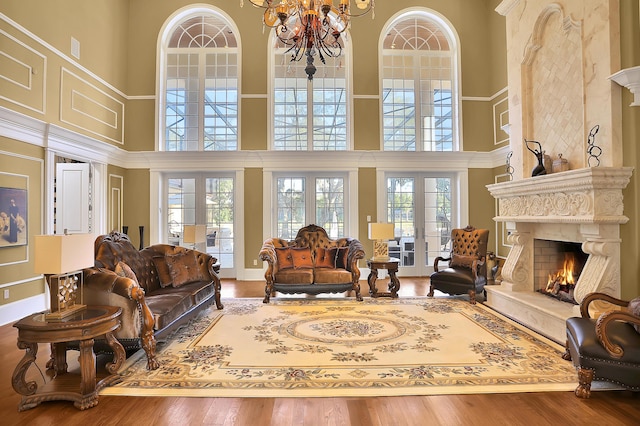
[[630, 57], [116, 72], [22, 168], [83, 96]]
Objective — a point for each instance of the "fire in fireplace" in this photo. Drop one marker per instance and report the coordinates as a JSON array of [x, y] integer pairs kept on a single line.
[[559, 265], [562, 283]]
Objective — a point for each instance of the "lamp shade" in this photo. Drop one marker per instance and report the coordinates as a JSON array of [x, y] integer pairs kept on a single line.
[[59, 254], [194, 233], [381, 231]]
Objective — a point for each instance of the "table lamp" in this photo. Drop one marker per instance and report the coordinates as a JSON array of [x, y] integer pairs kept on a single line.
[[194, 234], [381, 233], [61, 259]]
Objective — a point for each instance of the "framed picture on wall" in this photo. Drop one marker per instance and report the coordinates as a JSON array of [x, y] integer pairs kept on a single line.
[[13, 217]]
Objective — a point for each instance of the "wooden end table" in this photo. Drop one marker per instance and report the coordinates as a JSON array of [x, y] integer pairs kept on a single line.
[[82, 327], [391, 265]]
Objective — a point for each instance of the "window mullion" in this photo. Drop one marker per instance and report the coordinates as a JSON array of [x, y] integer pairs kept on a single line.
[[309, 115], [418, 102], [202, 66]]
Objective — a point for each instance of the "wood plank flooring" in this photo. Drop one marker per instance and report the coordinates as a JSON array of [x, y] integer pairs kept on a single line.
[[551, 408]]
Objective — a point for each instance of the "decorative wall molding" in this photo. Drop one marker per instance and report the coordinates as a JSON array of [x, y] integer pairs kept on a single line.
[[27, 77], [85, 106]]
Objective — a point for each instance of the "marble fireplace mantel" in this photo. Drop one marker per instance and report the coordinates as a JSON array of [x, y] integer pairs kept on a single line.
[[583, 206], [589, 195]]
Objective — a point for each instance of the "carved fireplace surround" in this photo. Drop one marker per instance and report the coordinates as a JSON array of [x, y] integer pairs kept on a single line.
[[582, 206]]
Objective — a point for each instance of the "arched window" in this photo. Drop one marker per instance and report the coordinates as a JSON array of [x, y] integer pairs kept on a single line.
[[419, 69], [310, 114], [198, 109]]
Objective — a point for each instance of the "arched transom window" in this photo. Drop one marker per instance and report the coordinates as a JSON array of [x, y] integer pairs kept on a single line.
[[419, 85], [200, 109]]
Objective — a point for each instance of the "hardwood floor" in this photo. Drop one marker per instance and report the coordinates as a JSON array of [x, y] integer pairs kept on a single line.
[[551, 408]]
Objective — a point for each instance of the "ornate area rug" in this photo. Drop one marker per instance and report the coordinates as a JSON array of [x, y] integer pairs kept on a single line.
[[340, 347]]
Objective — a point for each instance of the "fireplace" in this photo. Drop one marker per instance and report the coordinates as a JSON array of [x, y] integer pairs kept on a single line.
[[557, 266], [577, 208]]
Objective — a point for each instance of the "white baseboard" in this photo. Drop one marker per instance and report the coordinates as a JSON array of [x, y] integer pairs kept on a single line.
[[12, 312]]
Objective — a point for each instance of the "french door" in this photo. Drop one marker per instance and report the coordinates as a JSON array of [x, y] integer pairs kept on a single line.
[[421, 208], [204, 199]]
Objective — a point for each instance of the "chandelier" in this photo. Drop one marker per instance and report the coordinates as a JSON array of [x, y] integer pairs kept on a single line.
[[310, 27]]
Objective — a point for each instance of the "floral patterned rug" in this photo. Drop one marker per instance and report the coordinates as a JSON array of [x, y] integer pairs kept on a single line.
[[340, 347]]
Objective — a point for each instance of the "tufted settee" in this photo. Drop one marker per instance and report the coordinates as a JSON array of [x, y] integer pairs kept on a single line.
[[312, 263], [159, 288]]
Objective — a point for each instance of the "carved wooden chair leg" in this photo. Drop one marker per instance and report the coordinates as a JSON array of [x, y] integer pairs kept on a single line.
[[146, 335], [472, 297], [218, 289], [585, 376], [267, 293], [566, 355], [431, 289], [356, 287], [149, 347]]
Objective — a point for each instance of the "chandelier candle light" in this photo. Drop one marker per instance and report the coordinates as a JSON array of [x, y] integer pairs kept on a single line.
[[310, 27], [381, 233]]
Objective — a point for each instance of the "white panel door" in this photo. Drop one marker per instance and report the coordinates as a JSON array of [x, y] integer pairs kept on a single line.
[[72, 198]]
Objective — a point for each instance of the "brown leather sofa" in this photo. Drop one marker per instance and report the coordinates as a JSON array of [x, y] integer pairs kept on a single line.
[[312, 263], [159, 288]]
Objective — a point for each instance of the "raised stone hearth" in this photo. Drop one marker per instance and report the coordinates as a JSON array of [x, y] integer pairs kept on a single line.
[[583, 206]]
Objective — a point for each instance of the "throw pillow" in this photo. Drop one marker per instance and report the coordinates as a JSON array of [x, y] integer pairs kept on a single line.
[[462, 261], [342, 253], [301, 257], [634, 308], [325, 258], [184, 268], [125, 270], [283, 257], [164, 276]]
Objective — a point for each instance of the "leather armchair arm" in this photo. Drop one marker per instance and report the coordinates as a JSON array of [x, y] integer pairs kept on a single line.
[[104, 280], [354, 254], [268, 254], [477, 267], [100, 280], [591, 297], [438, 260], [615, 350]]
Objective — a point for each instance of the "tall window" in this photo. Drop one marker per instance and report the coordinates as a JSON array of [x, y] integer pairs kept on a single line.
[[200, 107], [310, 115], [419, 85], [306, 199]]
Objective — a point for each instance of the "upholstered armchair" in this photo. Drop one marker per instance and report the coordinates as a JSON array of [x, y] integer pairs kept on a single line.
[[606, 348], [466, 271]]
